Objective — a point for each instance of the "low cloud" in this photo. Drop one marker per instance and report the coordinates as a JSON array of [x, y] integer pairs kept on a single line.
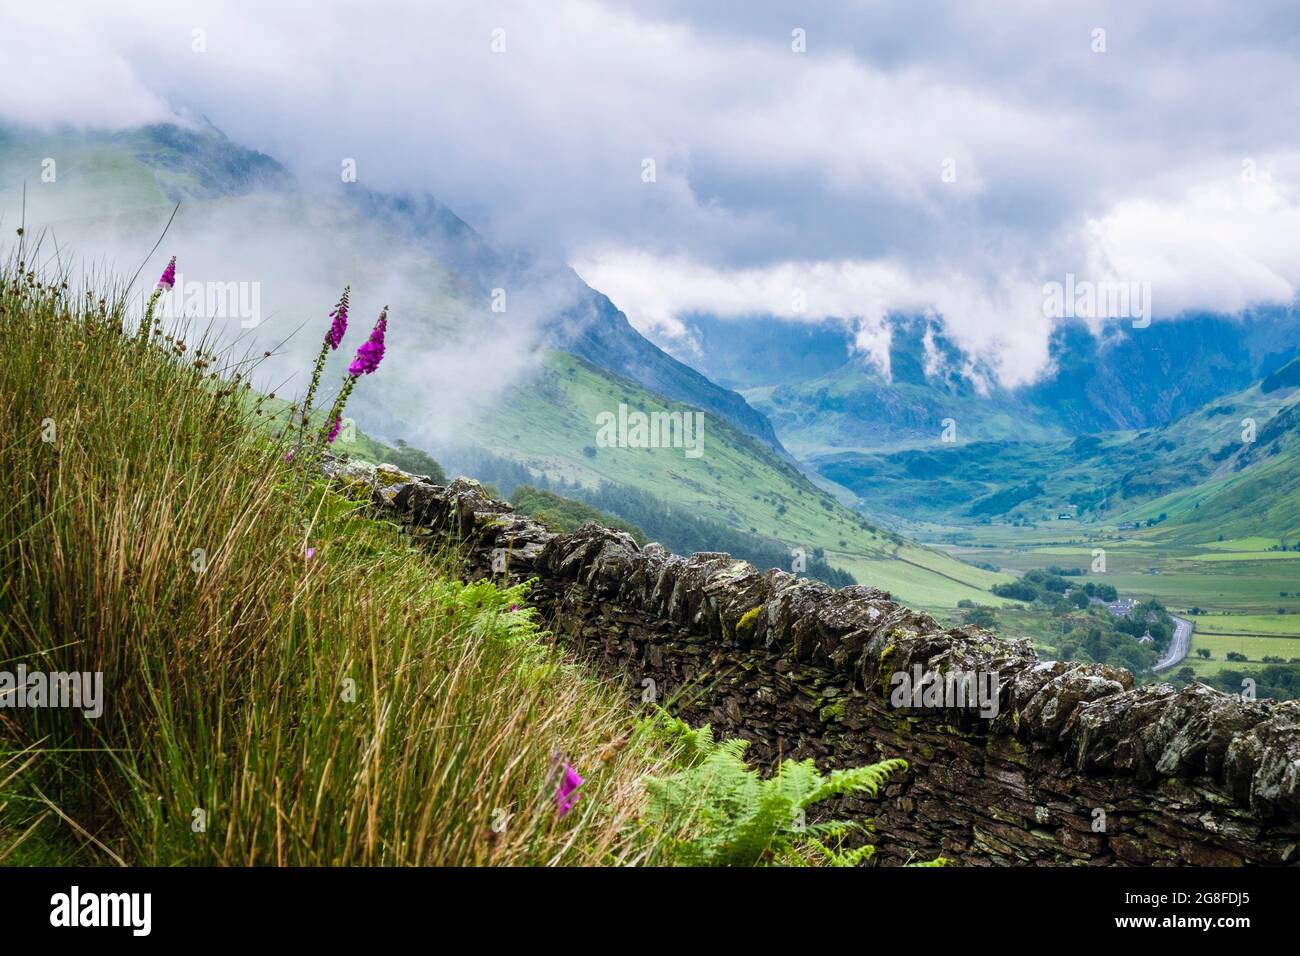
[[449, 356], [948, 159]]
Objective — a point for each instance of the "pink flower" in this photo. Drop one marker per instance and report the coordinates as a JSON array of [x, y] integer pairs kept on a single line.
[[564, 793], [311, 553], [288, 456], [371, 352], [168, 278], [334, 430], [340, 324]]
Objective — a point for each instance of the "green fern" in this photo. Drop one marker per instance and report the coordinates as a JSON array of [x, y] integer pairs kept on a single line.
[[720, 812]]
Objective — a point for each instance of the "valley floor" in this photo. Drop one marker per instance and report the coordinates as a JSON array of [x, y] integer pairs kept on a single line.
[[1242, 597]]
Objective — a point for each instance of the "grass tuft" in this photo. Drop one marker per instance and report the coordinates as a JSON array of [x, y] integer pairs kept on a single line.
[[358, 706]]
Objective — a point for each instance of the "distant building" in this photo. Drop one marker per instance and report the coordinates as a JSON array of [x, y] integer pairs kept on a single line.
[[1122, 607], [1146, 637], [1064, 517]]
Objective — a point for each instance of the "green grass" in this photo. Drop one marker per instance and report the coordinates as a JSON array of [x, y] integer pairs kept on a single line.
[[1204, 669], [1274, 625], [922, 579], [550, 427], [357, 707], [1255, 648], [1256, 543], [564, 515], [1247, 556]]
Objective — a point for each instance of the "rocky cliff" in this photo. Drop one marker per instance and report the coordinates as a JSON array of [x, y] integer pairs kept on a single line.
[[1013, 760]]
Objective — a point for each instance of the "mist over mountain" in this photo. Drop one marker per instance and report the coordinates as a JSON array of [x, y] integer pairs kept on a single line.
[[135, 174], [821, 392]]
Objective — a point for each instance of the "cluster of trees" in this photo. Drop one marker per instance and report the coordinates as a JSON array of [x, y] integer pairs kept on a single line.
[[1087, 633], [1051, 589], [1098, 641], [501, 475], [1277, 681], [417, 462], [1066, 572]]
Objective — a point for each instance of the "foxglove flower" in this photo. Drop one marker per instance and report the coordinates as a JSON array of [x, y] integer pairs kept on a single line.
[[168, 278], [371, 352], [334, 430], [333, 336], [165, 283], [339, 325], [565, 793]]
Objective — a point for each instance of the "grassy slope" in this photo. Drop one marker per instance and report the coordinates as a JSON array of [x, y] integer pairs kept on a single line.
[[226, 682], [547, 424]]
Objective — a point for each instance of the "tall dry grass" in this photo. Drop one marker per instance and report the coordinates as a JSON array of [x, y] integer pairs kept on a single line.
[[357, 707]]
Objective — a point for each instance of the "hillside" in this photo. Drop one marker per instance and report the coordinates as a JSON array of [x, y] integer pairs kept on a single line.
[[524, 384], [549, 427], [277, 678], [236, 200], [1115, 477]]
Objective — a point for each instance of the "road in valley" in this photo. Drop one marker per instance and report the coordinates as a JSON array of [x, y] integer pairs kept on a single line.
[[1178, 647]]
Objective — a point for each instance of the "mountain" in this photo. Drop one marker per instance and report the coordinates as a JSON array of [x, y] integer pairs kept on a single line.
[[138, 170], [1253, 490], [862, 407], [581, 321], [544, 426], [521, 387], [1199, 462], [1130, 378], [823, 399]]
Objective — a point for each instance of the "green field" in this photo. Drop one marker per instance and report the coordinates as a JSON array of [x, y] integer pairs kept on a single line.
[[1206, 669], [1240, 585], [1248, 556], [1263, 625], [1255, 648], [923, 578], [1256, 543]]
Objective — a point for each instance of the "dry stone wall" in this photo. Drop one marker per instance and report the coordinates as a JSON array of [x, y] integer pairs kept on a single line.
[[1077, 766]]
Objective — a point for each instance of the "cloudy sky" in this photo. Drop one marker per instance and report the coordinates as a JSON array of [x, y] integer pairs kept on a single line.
[[847, 160]]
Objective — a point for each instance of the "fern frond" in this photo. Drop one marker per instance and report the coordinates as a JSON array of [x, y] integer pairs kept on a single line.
[[857, 780], [724, 814]]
